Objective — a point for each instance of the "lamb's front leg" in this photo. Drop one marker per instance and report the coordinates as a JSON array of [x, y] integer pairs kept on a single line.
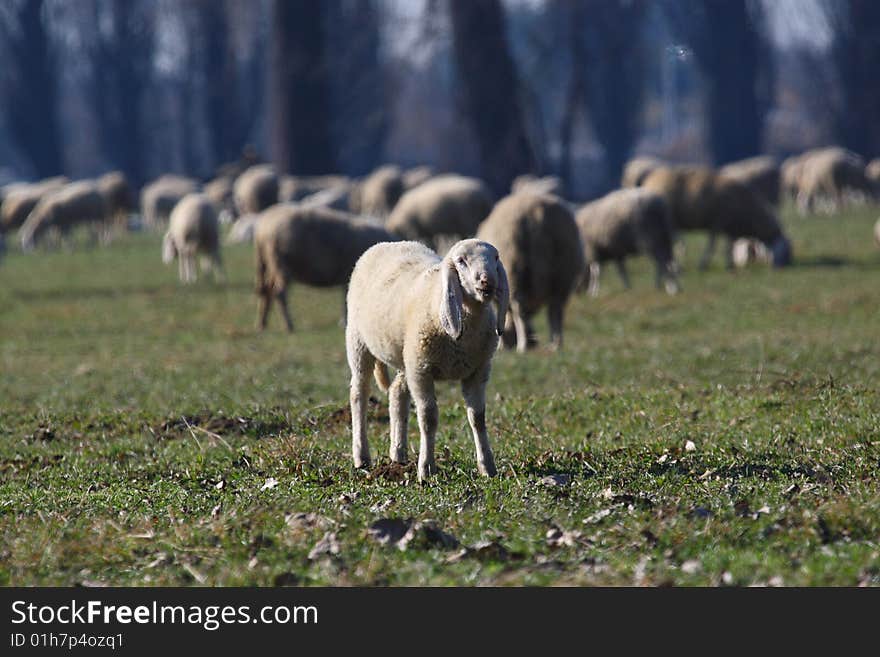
[[421, 387], [474, 391]]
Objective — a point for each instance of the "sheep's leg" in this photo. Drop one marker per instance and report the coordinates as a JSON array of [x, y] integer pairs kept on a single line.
[[217, 268], [264, 305], [398, 407], [624, 275], [422, 390], [474, 391], [522, 330], [361, 362], [555, 311], [595, 270], [728, 253], [281, 295], [181, 268], [709, 252]]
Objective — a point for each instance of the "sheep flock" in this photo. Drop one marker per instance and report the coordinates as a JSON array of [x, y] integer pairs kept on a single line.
[[436, 272]]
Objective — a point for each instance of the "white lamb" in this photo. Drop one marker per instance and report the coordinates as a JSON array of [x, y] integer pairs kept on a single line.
[[431, 319]]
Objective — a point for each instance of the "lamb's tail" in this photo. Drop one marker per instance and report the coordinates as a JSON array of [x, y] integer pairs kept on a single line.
[[380, 373]]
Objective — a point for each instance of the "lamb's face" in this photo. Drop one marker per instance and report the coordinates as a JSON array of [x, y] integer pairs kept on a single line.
[[478, 270]]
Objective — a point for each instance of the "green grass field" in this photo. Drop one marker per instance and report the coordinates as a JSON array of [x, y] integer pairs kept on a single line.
[[726, 436]]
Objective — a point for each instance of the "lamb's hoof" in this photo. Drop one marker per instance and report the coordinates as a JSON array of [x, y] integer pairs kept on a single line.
[[487, 469], [362, 462], [426, 470]]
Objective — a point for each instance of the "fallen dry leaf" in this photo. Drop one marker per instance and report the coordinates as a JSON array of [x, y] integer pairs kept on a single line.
[[327, 545]]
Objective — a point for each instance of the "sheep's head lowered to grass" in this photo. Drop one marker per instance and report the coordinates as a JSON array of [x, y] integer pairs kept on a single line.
[[472, 275]]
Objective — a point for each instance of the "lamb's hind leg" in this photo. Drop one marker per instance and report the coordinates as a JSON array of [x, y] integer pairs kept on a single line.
[[398, 407], [422, 390], [474, 391], [360, 361]]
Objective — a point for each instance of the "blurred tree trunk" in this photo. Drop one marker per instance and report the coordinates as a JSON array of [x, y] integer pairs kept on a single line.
[[489, 88], [226, 127], [122, 68], [734, 60], [614, 63], [30, 87], [359, 88], [299, 103], [856, 55]]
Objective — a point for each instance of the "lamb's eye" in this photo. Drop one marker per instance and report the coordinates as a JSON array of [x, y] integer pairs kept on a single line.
[[461, 261]]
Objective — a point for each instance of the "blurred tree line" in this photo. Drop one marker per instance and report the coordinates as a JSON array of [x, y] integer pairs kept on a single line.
[[488, 87]]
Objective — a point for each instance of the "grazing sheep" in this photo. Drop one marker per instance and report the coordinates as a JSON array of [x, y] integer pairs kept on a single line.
[[761, 174], [159, 197], [77, 203], [790, 176], [534, 185], [443, 206], [538, 241], [637, 169], [20, 198], [832, 178], [220, 192], [700, 199], [317, 246], [624, 223], [117, 195], [431, 319], [192, 231], [416, 176], [378, 193], [256, 189], [877, 232], [295, 188]]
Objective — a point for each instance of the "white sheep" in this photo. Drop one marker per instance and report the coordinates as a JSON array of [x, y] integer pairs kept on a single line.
[[193, 230], [877, 232], [431, 319]]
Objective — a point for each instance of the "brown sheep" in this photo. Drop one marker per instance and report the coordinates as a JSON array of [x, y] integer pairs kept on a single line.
[[20, 198], [159, 197], [117, 195], [624, 223], [256, 189], [378, 193], [316, 246], [832, 178], [700, 199], [439, 209], [74, 204], [637, 169], [537, 239], [761, 174]]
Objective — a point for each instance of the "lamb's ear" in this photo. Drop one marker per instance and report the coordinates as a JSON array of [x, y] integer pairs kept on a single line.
[[168, 250], [450, 301], [502, 296]]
